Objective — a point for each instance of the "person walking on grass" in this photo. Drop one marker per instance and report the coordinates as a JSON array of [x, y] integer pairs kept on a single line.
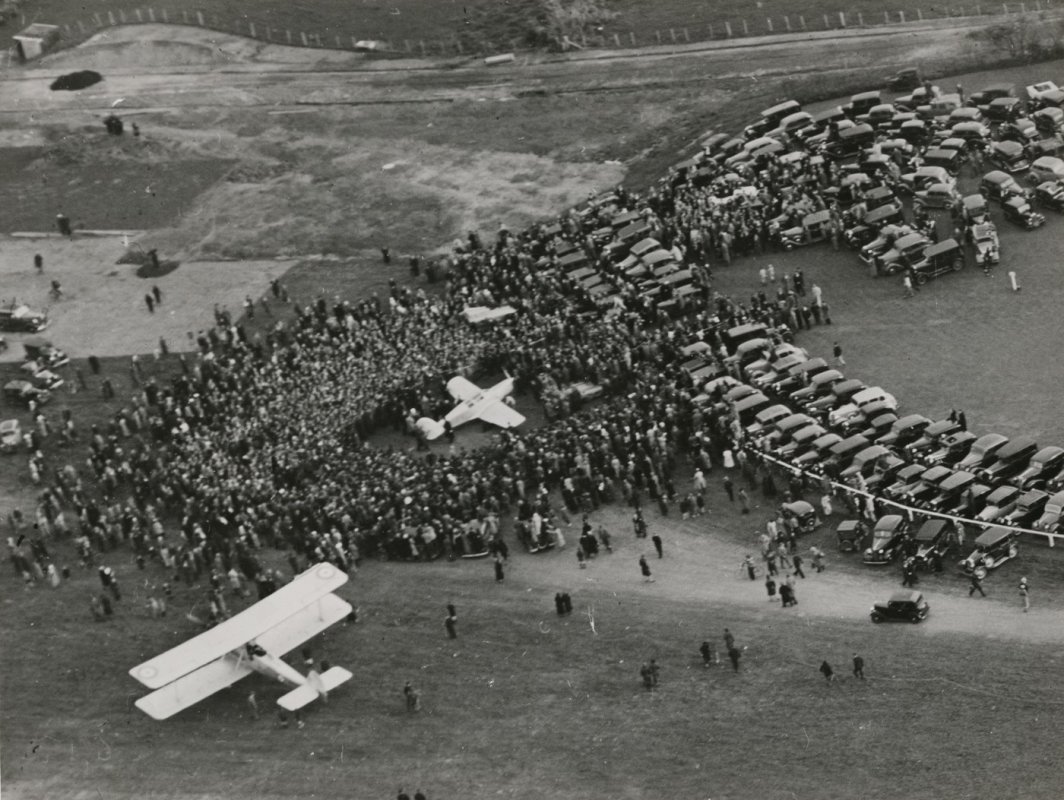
[[1025, 596], [744, 500], [837, 352], [976, 586], [656, 539], [729, 488], [644, 568], [450, 622], [751, 568], [734, 654], [707, 654], [770, 587], [827, 672], [858, 667]]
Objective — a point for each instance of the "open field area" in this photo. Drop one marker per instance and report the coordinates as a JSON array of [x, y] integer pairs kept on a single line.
[[524, 704], [500, 26]]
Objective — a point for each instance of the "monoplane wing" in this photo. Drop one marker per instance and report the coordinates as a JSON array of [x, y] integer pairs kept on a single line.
[[501, 415], [462, 389], [292, 600]]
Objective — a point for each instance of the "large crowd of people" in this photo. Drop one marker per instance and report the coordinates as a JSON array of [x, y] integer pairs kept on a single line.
[[263, 439]]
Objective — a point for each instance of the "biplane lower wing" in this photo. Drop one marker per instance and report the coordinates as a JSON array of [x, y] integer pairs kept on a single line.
[[190, 689], [266, 615]]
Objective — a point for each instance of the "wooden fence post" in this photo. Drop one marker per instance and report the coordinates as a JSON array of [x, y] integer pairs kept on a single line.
[[151, 15], [288, 33], [199, 18], [81, 26], [686, 35], [860, 19], [801, 19], [139, 17], [727, 27], [122, 16], [787, 22], [769, 23], [166, 18], [746, 28], [111, 17], [99, 22], [251, 30], [920, 14], [842, 19], [902, 13], [631, 36], [617, 40], [658, 34]]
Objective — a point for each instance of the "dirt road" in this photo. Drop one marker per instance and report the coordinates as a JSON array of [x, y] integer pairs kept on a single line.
[[161, 67]]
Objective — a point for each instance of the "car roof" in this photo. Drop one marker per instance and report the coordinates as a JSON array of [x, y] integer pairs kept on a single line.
[[931, 528], [889, 522], [957, 480], [905, 597], [992, 535]]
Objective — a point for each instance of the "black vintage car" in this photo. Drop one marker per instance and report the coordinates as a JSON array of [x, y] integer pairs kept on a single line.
[[1050, 195], [901, 607], [852, 535], [1018, 211], [993, 547], [935, 539], [888, 540], [938, 259], [22, 319]]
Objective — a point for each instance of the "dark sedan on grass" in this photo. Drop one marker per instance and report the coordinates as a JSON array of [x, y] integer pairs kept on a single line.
[[888, 540], [901, 607], [1050, 195]]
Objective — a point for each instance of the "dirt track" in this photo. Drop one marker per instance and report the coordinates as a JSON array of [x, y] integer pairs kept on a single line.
[[161, 67]]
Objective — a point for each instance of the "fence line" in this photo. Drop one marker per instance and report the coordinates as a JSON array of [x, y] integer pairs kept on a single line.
[[80, 30]]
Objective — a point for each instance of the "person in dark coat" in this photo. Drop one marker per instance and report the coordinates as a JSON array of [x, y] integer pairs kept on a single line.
[[450, 622], [656, 539], [734, 654], [707, 654], [499, 574], [858, 667], [827, 672], [644, 568]]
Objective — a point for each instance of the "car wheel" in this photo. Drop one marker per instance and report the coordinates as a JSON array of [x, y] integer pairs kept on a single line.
[[1014, 549], [877, 618], [915, 618], [921, 279], [958, 264]]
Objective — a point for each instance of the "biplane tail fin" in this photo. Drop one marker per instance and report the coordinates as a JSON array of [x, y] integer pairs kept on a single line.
[[315, 687]]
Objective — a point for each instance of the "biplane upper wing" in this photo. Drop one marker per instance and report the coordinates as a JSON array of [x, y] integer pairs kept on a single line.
[[292, 600], [462, 389], [501, 415]]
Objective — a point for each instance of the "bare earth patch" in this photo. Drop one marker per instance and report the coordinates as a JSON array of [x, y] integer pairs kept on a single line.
[[103, 312]]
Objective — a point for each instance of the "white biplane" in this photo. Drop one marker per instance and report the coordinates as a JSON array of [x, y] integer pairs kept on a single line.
[[252, 641], [475, 403]]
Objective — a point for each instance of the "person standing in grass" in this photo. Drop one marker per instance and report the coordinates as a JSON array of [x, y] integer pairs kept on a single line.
[[827, 672], [644, 568], [858, 667], [450, 622], [1025, 595]]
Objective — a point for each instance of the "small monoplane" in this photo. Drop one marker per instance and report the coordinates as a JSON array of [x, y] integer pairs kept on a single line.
[[252, 641], [475, 403]]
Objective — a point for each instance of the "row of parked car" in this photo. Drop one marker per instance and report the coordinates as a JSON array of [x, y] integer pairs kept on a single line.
[[808, 415]]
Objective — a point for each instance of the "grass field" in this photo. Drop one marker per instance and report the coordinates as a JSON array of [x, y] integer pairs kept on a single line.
[[525, 704]]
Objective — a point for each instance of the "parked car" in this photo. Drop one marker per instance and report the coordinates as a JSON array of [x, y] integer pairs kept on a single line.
[[802, 513], [983, 451], [45, 353], [906, 476], [1017, 210], [1021, 130], [10, 436], [1008, 156], [987, 245], [852, 535], [998, 503], [801, 441], [934, 539], [783, 431], [1044, 464], [23, 392], [1048, 120], [904, 251], [1026, 511], [1010, 460], [918, 493], [923, 177], [937, 195], [908, 606], [888, 540], [819, 386], [1000, 186], [1047, 168], [931, 437], [841, 393], [816, 451], [1002, 109], [938, 259], [866, 403], [905, 431], [1050, 195], [949, 490], [975, 209], [1050, 521], [798, 376], [21, 318], [904, 80], [952, 450], [989, 93], [993, 547]]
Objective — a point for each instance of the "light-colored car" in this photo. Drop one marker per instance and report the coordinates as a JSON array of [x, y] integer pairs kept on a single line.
[[861, 402], [10, 436], [1047, 168], [937, 195]]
